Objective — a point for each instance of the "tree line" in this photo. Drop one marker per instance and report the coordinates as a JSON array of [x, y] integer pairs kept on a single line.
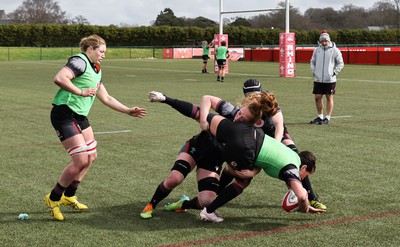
[[384, 14], [60, 35]]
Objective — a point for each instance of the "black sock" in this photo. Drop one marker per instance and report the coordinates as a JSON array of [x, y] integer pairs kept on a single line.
[[160, 194], [226, 195], [185, 108], [192, 204], [71, 189], [307, 185], [226, 178], [57, 192]]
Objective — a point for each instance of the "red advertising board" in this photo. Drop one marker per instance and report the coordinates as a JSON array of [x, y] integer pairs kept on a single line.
[[351, 55], [389, 55], [168, 53], [183, 53], [287, 54]]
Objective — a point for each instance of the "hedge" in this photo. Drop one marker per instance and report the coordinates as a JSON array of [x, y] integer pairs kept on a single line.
[[55, 35]]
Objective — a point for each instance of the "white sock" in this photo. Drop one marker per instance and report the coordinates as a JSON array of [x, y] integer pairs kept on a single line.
[[321, 116], [328, 117]]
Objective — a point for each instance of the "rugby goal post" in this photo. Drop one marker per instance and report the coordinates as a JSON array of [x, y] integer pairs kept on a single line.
[[287, 41]]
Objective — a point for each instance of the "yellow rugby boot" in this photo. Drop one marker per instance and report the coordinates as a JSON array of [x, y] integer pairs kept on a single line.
[[54, 207], [73, 202]]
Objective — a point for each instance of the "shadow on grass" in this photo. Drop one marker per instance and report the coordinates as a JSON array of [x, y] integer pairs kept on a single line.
[[126, 218]]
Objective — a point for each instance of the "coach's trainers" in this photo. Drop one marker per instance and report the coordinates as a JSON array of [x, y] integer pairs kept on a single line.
[[213, 217], [325, 121], [176, 206], [54, 207], [155, 96], [147, 212], [316, 120], [317, 205], [73, 202]]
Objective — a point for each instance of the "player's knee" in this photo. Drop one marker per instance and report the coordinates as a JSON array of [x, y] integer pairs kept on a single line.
[[92, 158], [92, 150], [205, 198], [182, 166], [208, 184], [208, 189], [80, 161], [173, 180]]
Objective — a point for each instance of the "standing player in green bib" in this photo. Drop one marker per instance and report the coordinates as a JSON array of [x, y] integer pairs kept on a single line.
[[221, 54], [80, 82], [206, 53]]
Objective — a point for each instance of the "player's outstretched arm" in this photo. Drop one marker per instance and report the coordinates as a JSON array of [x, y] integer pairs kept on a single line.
[[301, 195], [114, 104], [246, 173], [315, 210]]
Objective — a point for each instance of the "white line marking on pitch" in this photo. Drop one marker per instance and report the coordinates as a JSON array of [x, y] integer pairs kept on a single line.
[[112, 132], [341, 116]]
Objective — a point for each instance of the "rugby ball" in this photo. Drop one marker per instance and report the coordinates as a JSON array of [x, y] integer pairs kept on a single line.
[[290, 202]]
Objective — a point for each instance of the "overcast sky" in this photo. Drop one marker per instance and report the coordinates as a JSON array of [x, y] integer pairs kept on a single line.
[[143, 12]]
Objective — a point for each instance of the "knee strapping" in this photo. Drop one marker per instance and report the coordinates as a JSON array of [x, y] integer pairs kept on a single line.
[[91, 146], [211, 184], [182, 166], [77, 149]]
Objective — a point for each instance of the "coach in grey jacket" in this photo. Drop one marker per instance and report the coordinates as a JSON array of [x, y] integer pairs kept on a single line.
[[326, 62]]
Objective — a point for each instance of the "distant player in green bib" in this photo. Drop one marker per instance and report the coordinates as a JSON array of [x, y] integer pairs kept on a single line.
[[206, 53], [221, 54]]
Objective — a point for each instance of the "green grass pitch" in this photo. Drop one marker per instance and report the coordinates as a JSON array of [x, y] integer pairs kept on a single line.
[[357, 174]]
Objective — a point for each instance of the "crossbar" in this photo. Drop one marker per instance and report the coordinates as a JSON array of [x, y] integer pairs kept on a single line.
[[247, 11]]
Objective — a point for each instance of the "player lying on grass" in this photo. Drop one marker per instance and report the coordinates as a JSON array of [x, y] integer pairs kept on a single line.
[[271, 125], [190, 110], [274, 127], [246, 150], [204, 152]]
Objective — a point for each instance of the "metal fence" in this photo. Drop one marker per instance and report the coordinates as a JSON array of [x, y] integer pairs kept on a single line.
[[58, 53]]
